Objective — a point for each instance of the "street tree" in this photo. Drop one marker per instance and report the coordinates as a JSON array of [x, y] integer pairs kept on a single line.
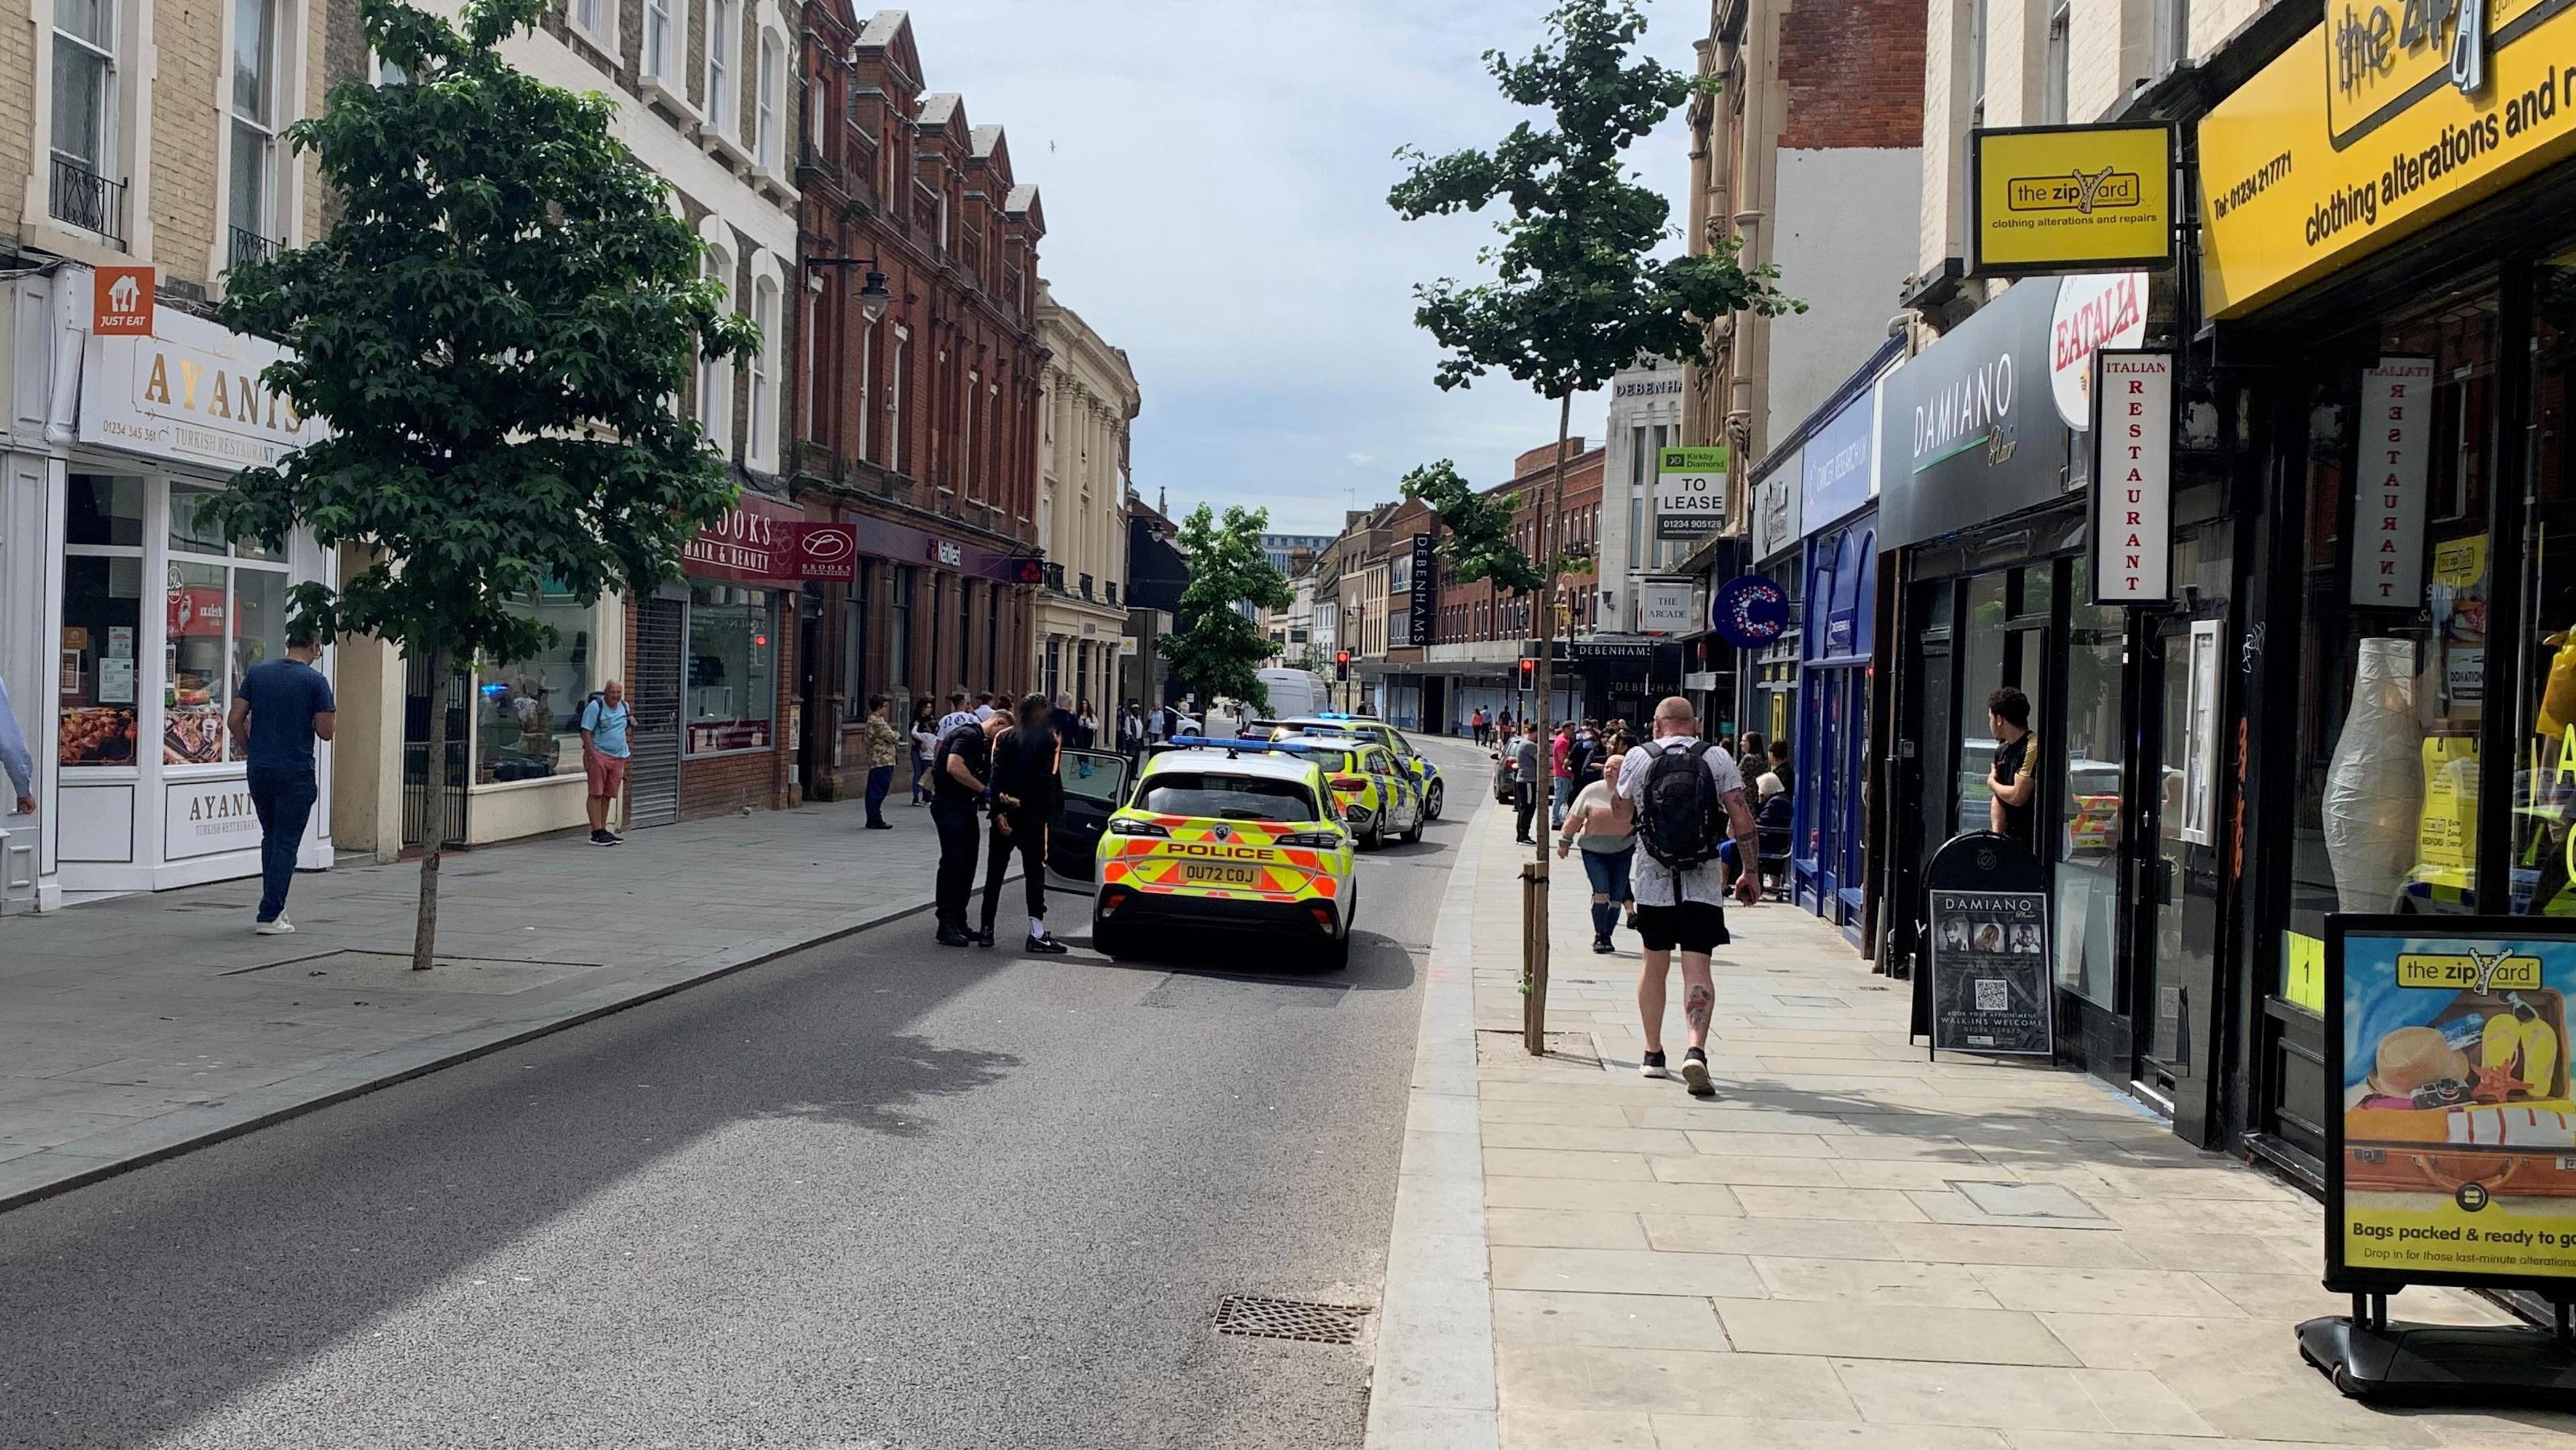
[[1213, 648], [1476, 530], [1578, 291], [495, 330]]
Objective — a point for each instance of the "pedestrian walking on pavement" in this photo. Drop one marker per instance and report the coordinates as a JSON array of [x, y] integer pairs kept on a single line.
[[1476, 724], [958, 784], [1688, 796], [604, 755], [1089, 721], [279, 709], [15, 760], [883, 748], [1605, 822], [1025, 791], [1525, 783], [925, 746], [1560, 774]]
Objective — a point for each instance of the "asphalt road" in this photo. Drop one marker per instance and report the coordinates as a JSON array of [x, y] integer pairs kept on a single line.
[[878, 1194]]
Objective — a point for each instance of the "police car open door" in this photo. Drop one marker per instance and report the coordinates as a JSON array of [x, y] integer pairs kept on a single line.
[[1095, 784]]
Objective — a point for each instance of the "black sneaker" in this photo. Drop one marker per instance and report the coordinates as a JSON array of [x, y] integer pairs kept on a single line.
[[880, 825], [1045, 946], [1601, 946], [1695, 1074], [950, 936], [602, 838], [1652, 1065], [984, 939]]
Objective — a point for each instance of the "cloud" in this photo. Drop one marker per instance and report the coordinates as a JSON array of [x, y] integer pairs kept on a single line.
[[1216, 198]]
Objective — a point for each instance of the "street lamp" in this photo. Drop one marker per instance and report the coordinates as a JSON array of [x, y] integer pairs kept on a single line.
[[874, 296]]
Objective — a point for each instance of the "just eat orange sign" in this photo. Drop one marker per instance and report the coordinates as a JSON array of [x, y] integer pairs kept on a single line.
[[121, 302]]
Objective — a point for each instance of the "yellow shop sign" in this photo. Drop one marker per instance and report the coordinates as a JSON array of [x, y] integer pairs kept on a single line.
[[2069, 199], [2384, 119]]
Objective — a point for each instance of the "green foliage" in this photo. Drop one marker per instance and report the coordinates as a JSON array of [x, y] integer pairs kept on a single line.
[[1476, 531], [493, 330], [1312, 661], [1213, 649], [1575, 295]]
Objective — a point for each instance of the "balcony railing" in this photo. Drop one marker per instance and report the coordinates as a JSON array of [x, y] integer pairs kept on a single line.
[[88, 200], [250, 247]]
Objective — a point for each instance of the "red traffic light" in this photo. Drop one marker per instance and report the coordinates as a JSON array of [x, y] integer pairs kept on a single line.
[[1529, 671], [1027, 570], [1342, 657]]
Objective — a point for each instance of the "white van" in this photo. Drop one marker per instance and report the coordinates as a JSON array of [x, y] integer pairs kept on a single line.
[[1295, 692]]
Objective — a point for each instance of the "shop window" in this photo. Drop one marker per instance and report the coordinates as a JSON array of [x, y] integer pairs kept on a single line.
[[2394, 688], [102, 622], [528, 712], [733, 668], [220, 616], [2545, 714], [2087, 880]]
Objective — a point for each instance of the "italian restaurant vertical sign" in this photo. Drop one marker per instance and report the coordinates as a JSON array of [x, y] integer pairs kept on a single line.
[[2132, 477], [2395, 441]]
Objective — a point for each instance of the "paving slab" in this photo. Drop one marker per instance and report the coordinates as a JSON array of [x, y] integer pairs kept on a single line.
[[1854, 1247], [141, 1026]]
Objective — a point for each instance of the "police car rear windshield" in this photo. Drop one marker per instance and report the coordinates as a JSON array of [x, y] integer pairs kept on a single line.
[[1227, 797]]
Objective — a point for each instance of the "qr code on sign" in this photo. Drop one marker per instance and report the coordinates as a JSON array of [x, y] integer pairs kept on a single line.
[[1994, 994]]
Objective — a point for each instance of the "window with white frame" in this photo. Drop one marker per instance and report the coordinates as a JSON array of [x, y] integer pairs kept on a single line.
[[721, 26], [894, 398], [657, 39], [253, 183], [764, 138], [84, 190], [715, 374], [867, 361], [764, 408]]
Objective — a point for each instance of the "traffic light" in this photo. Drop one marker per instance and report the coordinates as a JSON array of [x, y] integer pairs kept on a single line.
[[1529, 674], [1341, 664], [1026, 569]]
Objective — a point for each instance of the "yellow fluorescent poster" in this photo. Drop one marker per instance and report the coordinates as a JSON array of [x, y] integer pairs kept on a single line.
[[2456, 1155], [2071, 198], [2376, 124]]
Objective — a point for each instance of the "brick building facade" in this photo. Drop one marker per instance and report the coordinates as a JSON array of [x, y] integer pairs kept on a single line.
[[917, 407]]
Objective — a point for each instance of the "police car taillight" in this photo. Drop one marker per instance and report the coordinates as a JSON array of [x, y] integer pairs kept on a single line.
[[1315, 840], [1128, 826]]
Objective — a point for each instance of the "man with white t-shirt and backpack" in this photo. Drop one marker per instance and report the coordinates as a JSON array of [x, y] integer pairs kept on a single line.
[[1689, 797]]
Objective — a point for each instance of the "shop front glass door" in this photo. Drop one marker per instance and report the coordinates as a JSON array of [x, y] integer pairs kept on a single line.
[[2094, 818]]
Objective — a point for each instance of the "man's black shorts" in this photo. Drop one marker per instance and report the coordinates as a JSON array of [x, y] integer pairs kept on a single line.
[[1693, 926]]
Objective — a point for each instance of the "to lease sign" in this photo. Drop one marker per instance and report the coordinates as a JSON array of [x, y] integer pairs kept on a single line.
[[1690, 492], [2385, 119]]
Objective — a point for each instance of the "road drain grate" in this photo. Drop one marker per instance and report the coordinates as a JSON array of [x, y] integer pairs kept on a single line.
[[1254, 1317]]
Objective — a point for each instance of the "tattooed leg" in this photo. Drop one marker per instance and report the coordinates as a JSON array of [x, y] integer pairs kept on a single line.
[[1699, 997]]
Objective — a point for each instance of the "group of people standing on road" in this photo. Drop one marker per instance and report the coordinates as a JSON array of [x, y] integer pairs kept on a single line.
[[1004, 766]]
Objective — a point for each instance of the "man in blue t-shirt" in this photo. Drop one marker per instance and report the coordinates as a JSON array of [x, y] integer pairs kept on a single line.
[[604, 753], [279, 709]]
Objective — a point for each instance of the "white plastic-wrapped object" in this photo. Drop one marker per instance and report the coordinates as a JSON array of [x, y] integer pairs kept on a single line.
[[2374, 789]]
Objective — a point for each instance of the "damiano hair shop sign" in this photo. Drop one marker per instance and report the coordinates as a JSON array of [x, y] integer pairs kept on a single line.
[[1972, 430]]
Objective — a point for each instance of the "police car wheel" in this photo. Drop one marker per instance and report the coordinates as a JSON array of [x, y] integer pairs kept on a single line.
[[1431, 802], [1413, 832], [1109, 941]]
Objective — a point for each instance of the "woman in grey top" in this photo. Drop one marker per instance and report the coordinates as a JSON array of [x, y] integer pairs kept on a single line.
[[1606, 824]]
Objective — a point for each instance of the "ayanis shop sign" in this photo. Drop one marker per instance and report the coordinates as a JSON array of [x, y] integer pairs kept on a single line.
[[190, 392]]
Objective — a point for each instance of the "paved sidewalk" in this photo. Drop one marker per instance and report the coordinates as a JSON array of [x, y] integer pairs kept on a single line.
[[132, 1028], [1848, 1245]]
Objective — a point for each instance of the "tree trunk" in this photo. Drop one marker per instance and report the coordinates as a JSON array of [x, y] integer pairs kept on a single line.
[[1534, 941], [424, 931]]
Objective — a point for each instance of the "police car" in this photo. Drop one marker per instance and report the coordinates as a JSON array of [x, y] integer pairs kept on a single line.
[[1376, 797], [1237, 835], [1413, 763]]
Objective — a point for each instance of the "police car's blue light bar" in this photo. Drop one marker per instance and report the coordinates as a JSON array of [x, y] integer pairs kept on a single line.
[[1218, 742]]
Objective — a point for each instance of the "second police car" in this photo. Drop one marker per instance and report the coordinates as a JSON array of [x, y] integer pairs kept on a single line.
[[1412, 762]]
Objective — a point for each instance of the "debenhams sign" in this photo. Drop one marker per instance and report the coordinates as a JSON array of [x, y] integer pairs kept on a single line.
[[189, 393]]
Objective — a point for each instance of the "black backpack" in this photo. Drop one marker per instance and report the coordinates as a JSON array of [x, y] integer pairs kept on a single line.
[[1680, 819]]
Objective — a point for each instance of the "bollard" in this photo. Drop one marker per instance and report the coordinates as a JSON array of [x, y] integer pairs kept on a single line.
[[1534, 957]]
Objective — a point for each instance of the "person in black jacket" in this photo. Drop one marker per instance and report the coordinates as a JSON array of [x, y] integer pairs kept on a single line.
[[1025, 789]]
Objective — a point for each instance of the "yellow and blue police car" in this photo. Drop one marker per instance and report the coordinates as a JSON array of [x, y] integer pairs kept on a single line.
[[1416, 765], [1376, 797], [1236, 835]]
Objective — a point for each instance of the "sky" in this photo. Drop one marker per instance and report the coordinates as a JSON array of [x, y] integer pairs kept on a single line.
[[1214, 176]]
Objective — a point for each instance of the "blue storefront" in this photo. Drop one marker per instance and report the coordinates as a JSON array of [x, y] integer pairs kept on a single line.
[[1838, 508]]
